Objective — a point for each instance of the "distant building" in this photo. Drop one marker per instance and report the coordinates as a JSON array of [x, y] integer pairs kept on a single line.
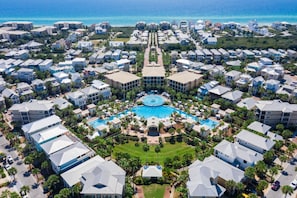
[[19, 25], [65, 25]]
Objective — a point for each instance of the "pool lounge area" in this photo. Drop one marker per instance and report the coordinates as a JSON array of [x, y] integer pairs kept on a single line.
[[160, 112]]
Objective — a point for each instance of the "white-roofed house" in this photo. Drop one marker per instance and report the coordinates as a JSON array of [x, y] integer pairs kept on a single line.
[[233, 96], [70, 157], [97, 177], [78, 98], [231, 77], [218, 91], [57, 144], [208, 178], [48, 134], [152, 172], [264, 129], [11, 95], [40, 125], [236, 154], [248, 103], [253, 141]]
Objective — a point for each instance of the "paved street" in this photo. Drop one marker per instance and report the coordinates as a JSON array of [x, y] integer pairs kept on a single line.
[[284, 180], [21, 169]]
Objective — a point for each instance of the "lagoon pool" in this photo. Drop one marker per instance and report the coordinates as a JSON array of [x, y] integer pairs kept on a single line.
[[156, 111], [153, 100]]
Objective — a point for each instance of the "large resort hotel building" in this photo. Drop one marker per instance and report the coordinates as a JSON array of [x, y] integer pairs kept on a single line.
[[123, 80], [275, 112], [184, 81], [153, 75]]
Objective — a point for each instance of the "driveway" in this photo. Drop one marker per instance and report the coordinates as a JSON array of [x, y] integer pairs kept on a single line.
[[284, 180], [21, 180]]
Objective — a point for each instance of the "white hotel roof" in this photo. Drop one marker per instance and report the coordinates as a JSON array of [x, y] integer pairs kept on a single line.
[[49, 133], [72, 176], [67, 154], [56, 144], [41, 124]]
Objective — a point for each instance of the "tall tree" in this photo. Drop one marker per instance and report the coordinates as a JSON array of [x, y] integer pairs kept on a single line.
[[273, 171], [12, 171], [25, 189], [45, 165], [35, 172], [29, 160], [261, 186], [65, 192], [287, 190], [231, 187], [261, 168], [249, 173]]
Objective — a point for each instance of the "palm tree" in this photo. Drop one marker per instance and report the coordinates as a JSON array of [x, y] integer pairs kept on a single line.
[[12, 171], [10, 137], [25, 189], [231, 187], [29, 160], [52, 181], [283, 158], [5, 194], [273, 171], [35, 172], [249, 173], [240, 187], [45, 165], [261, 186], [76, 189], [261, 168], [65, 193], [287, 190]]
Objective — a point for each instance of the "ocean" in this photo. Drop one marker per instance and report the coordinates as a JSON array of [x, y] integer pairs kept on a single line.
[[128, 12]]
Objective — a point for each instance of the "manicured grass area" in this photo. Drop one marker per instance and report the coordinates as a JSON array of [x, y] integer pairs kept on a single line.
[[169, 150], [121, 39], [154, 190]]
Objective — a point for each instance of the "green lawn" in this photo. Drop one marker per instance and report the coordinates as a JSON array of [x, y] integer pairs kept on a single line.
[[169, 150], [154, 191]]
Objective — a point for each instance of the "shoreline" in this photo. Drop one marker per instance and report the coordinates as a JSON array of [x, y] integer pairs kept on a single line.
[[130, 21]]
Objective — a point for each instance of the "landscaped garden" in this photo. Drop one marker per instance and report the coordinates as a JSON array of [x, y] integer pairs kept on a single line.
[[168, 151], [154, 190]]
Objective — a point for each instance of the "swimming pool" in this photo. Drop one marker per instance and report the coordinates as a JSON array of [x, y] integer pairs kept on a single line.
[[153, 100], [156, 111]]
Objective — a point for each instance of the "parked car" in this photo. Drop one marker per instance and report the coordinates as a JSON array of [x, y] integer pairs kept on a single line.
[[285, 173], [275, 186], [7, 166], [293, 184], [9, 159]]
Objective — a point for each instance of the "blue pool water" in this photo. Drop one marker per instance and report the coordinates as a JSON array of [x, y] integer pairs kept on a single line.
[[156, 111], [153, 100]]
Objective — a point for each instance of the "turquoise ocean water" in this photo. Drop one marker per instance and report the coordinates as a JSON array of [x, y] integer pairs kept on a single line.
[[128, 12]]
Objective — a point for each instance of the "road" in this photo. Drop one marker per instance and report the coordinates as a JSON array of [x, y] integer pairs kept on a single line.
[[21, 180], [284, 180]]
